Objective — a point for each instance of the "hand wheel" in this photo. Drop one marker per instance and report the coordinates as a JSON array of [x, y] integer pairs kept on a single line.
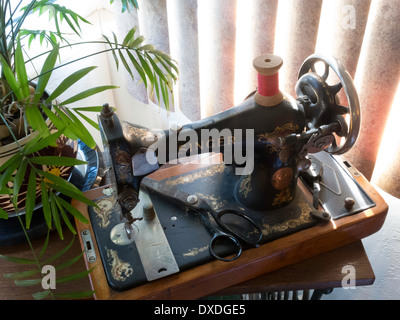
[[322, 103]]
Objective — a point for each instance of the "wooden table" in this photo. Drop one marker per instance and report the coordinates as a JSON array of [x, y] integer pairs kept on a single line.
[[320, 272]]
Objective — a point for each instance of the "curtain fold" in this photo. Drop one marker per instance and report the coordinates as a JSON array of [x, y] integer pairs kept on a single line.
[[341, 30], [301, 38], [217, 40], [184, 41], [153, 23], [376, 80], [255, 35], [125, 22]]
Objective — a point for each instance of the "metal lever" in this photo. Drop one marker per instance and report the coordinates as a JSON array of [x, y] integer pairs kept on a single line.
[[313, 178]]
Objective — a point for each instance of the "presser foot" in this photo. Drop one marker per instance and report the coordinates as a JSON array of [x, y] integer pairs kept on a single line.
[[124, 233]]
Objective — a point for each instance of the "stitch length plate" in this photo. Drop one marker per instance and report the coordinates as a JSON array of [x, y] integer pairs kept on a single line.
[[152, 245]]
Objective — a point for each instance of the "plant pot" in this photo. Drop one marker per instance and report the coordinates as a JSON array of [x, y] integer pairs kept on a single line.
[[65, 148], [10, 149], [82, 176]]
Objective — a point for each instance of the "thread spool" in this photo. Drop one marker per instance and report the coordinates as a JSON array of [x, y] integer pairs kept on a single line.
[[268, 93]]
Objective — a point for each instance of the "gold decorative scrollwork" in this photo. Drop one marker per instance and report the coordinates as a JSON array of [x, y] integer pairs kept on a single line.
[[120, 270], [304, 218], [103, 209], [271, 139]]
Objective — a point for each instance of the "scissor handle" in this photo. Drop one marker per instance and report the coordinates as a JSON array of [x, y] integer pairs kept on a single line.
[[231, 239], [244, 218]]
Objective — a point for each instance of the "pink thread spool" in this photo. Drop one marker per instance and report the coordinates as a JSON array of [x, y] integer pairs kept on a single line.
[[268, 93]]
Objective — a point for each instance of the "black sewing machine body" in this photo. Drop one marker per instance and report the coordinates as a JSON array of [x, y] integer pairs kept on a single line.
[[274, 173], [287, 140]]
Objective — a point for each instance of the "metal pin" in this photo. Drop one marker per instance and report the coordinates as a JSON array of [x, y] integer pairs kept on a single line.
[[192, 199]]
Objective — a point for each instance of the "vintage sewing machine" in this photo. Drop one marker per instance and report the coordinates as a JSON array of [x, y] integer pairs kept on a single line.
[[251, 189]]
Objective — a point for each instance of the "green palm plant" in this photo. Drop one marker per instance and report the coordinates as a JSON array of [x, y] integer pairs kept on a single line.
[[27, 108]]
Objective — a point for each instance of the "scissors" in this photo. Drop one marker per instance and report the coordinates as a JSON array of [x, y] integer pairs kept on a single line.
[[229, 228]]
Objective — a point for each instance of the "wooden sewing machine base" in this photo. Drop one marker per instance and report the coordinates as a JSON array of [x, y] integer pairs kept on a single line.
[[216, 275]]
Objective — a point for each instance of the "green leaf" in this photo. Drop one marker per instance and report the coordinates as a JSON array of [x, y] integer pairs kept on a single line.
[[90, 121], [146, 47], [168, 69], [59, 253], [73, 277], [7, 175], [68, 82], [19, 178], [121, 56], [147, 69], [64, 216], [89, 109], [74, 195], [69, 262], [164, 92], [134, 3], [170, 63], [20, 70], [55, 215], [46, 243], [40, 143], [65, 187], [113, 52], [15, 158], [156, 68], [71, 25], [115, 40], [70, 129], [129, 36], [138, 68], [3, 214], [135, 43], [82, 131], [76, 213], [46, 72], [30, 198], [35, 119], [45, 205], [124, 5], [63, 122], [27, 282], [18, 260], [57, 161], [41, 295], [87, 93], [157, 88], [21, 274], [11, 79]]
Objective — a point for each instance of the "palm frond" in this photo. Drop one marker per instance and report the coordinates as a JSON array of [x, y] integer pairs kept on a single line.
[[34, 275], [157, 70]]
